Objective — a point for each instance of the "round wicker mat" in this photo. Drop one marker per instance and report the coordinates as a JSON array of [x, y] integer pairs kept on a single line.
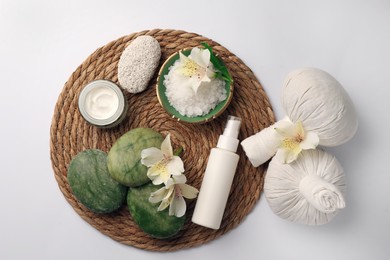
[[70, 134]]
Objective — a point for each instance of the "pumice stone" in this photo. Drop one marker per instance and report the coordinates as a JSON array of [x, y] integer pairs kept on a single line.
[[138, 63]]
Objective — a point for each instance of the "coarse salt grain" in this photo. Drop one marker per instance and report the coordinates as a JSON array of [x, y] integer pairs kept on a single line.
[[188, 103]]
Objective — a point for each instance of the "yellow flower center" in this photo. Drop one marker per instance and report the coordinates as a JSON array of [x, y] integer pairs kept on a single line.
[[162, 168], [191, 68], [292, 143]]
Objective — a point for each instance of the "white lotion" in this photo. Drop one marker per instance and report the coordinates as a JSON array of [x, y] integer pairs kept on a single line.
[[218, 177], [101, 102]]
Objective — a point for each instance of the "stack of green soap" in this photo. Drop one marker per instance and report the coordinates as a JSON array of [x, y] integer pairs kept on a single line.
[[101, 182]]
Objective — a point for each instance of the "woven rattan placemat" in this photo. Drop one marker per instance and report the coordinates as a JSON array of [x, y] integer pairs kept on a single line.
[[70, 134]]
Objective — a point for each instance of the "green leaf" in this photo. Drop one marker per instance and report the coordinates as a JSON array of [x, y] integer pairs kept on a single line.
[[178, 151], [221, 70]]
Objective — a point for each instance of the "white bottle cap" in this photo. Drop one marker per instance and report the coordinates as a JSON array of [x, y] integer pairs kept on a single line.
[[229, 139]]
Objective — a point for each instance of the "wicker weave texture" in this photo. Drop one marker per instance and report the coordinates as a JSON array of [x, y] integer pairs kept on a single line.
[[70, 134]]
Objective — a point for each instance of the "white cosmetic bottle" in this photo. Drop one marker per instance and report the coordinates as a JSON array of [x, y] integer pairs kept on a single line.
[[218, 177]]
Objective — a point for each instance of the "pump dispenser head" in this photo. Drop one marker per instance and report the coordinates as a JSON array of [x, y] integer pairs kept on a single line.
[[229, 139]]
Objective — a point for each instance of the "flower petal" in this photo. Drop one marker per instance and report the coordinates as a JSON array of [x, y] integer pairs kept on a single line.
[[151, 156], [163, 205], [175, 166], [153, 172], [157, 180], [165, 176], [299, 129], [188, 191], [205, 78], [169, 193], [201, 57], [195, 55], [280, 155], [285, 128], [169, 183], [194, 52], [178, 206], [166, 147], [171, 211], [183, 58], [205, 57], [161, 175], [195, 85], [210, 71], [310, 142], [293, 154], [158, 195], [287, 156], [179, 179]]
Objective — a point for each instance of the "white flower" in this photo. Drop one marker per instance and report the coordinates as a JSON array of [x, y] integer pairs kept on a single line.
[[167, 168], [293, 139], [172, 195], [162, 163], [196, 68]]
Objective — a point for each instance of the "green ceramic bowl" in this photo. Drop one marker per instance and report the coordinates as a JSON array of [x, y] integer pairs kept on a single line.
[[162, 98]]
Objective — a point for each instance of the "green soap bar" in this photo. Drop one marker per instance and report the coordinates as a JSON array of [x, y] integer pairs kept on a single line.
[[155, 223], [91, 183], [124, 158]]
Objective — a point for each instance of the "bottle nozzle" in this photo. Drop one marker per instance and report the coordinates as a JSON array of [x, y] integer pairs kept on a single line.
[[232, 127], [229, 139]]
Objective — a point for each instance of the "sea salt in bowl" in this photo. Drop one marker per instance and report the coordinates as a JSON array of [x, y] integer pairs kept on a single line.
[[170, 109]]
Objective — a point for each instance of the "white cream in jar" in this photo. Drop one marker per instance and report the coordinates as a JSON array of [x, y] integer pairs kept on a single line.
[[102, 103]]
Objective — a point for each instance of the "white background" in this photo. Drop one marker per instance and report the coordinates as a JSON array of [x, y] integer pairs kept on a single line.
[[43, 42]]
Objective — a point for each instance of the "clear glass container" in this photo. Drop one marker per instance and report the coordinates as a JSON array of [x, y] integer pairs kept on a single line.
[[102, 104]]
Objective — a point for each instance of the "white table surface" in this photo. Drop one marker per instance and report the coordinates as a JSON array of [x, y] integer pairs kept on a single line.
[[43, 42]]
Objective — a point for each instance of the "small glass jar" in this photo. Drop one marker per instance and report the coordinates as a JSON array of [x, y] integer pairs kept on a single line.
[[102, 104]]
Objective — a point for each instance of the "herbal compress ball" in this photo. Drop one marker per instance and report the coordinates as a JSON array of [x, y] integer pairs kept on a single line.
[[318, 100], [310, 190]]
